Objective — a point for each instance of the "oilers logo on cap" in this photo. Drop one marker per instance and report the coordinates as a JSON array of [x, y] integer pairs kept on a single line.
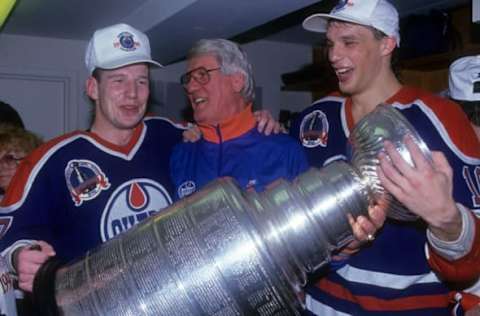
[[85, 180], [341, 5], [130, 203], [126, 42]]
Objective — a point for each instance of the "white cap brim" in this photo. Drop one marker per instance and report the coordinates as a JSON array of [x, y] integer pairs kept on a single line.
[[318, 22], [130, 61]]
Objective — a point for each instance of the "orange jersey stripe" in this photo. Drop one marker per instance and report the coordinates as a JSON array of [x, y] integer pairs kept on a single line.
[[376, 304]]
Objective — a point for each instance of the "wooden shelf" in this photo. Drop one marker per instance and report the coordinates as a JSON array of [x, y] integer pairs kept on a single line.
[[437, 61]]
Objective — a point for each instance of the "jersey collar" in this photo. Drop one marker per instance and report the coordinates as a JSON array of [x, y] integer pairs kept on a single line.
[[231, 128]]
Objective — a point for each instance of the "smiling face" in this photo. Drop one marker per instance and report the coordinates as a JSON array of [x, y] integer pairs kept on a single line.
[[120, 97], [219, 98], [356, 56]]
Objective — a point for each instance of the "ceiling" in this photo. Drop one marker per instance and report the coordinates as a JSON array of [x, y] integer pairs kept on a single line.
[[174, 25]]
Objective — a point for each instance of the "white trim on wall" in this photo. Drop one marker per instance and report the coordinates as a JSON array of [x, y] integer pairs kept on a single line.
[[62, 83]]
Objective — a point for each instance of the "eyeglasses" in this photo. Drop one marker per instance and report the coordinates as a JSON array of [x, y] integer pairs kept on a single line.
[[200, 74], [10, 160]]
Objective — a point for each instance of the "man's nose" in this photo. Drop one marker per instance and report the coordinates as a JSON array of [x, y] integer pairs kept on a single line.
[[191, 86], [334, 53], [131, 89]]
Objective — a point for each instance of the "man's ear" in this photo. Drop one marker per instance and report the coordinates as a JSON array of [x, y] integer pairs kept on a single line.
[[388, 45], [238, 81], [91, 86]]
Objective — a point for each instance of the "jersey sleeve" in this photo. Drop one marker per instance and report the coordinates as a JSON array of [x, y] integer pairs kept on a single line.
[[450, 132], [464, 269]]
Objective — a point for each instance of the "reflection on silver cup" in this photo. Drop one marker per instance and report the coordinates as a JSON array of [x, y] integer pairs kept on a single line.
[[222, 251], [367, 138], [7, 295]]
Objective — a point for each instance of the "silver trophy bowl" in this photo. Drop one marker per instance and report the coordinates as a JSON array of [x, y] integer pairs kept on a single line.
[[222, 251], [367, 138]]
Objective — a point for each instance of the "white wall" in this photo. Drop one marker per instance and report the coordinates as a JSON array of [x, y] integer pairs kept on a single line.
[[55, 66], [272, 59], [46, 60]]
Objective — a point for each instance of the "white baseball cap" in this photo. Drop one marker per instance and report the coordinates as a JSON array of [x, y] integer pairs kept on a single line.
[[117, 46], [379, 14], [464, 79]]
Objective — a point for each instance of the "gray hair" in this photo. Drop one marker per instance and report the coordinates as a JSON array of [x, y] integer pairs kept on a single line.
[[231, 58]]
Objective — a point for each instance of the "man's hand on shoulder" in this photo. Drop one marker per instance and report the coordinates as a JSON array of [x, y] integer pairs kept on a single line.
[[192, 133], [266, 124]]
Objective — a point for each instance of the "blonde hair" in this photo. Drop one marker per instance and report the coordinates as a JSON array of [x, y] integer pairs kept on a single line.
[[16, 138]]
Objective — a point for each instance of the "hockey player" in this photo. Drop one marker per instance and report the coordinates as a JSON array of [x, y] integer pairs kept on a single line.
[[391, 276], [85, 187]]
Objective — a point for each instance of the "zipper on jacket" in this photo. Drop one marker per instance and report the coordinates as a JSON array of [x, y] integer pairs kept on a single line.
[[220, 150]]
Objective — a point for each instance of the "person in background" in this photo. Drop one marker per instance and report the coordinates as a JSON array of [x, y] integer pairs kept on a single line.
[[464, 87], [460, 262], [219, 84], [392, 275], [9, 115], [15, 144]]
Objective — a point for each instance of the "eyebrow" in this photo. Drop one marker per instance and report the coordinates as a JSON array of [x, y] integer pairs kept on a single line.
[[195, 69], [114, 75], [110, 76]]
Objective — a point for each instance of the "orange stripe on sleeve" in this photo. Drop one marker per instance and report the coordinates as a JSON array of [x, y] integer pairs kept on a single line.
[[463, 269], [377, 304]]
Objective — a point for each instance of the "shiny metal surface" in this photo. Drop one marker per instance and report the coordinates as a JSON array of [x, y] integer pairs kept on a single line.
[[222, 251], [201, 257], [367, 138], [7, 296]]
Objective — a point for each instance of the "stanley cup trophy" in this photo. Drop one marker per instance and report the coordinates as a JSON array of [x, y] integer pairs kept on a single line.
[[222, 251]]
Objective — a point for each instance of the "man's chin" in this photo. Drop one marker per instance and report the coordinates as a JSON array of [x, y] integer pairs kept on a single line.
[[345, 89], [131, 123], [199, 119]]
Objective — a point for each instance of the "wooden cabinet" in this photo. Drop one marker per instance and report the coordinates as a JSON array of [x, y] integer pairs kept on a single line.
[[431, 72]]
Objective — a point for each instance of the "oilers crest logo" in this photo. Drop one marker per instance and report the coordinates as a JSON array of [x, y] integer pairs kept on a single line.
[[314, 129], [130, 203], [126, 42], [85, 180], [186, 188]]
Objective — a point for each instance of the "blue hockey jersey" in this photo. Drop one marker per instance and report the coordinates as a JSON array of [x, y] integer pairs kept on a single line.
[[392, 276], [78, 190]]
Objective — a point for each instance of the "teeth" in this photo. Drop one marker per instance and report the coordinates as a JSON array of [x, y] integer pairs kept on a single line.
[[342, 71], [199, 100]]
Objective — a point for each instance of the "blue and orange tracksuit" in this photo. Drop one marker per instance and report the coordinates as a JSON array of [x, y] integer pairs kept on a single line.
[[236, 149]]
